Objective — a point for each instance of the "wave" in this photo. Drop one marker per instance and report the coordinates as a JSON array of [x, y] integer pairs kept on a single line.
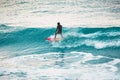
[[73, 37], [101, 44], [82, 50], [98, 38], [8, 29]]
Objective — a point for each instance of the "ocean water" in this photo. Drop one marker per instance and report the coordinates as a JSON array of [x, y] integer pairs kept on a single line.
[[90, 49], [84, 53], [71, 13]]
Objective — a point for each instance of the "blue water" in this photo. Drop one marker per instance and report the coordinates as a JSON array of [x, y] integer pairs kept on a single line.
[[26, 52]]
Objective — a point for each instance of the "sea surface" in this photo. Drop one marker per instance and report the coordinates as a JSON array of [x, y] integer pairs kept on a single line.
[[83, 54], [71, 13], [90, 49]]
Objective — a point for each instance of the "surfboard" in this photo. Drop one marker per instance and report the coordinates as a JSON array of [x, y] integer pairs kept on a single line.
[[52, 39]]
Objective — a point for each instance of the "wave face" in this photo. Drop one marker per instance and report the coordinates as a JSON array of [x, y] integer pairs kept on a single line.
[[74, 38], [82, 51]]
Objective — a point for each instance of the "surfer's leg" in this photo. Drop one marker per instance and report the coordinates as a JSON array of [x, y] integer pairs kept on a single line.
[[55, 36], [61, 35]]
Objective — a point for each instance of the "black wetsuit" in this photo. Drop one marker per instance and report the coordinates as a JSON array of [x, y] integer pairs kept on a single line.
[[59, 29]]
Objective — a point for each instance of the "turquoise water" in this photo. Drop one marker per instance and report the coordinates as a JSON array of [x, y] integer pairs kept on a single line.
[[84, 53]]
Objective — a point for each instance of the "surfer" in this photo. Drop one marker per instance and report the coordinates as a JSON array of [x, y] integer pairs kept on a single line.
[[58, 30]]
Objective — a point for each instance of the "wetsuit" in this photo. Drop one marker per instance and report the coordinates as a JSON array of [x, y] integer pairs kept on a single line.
[[59, 29]]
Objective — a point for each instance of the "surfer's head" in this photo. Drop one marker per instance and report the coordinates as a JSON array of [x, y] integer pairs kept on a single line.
[[58, 23]]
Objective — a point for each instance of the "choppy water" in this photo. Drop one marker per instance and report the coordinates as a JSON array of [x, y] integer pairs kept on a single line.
[[84, 53], [87, 52], [41, 13]]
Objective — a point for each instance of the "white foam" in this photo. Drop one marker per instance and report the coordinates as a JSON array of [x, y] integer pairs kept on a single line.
[[70, 13], [79, 35], [45, 66], [101, 44], [11, 29]]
